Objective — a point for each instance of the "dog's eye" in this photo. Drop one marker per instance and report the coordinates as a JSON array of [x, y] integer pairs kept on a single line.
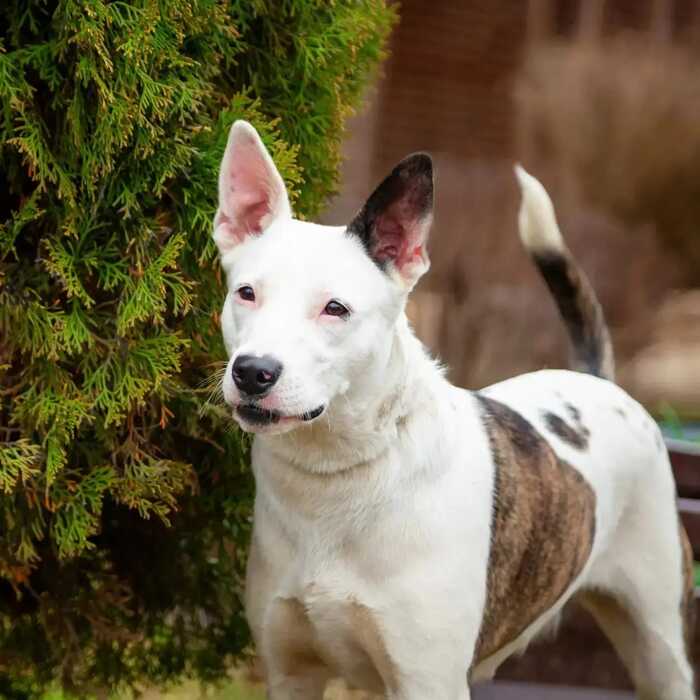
[[335, 308], [246, 293]]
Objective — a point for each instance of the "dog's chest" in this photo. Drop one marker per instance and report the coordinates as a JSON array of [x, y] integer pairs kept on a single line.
[[345, 574]]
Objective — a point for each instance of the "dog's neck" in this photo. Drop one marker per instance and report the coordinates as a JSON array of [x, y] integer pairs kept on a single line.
[[360, 426]]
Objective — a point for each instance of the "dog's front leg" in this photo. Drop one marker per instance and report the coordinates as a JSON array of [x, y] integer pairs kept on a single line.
[[430, 667], [421, 686], [308, 684], [421, 695], [292, 667]]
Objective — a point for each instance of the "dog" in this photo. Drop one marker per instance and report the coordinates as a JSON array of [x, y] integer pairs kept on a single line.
[[410, 535]]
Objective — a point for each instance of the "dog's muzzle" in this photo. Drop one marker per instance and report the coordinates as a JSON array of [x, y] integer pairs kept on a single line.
[[260, 416]]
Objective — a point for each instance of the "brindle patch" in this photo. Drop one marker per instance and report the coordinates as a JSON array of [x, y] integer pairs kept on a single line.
[[575, 436], [542, 528]]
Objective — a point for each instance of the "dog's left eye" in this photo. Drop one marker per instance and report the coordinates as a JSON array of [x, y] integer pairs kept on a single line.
[[246, 293], [335, 308]]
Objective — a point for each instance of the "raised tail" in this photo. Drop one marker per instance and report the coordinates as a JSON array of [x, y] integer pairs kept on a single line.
[[578, 305]]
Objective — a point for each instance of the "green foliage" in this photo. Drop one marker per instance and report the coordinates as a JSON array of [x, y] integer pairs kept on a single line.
[[124, 491]]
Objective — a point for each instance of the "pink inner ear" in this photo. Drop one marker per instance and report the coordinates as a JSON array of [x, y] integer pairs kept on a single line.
[[390, 239], [251, 206], [249, 193], [397, 239]]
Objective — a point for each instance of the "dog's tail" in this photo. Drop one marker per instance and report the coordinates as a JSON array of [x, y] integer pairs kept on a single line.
[[572, 292]]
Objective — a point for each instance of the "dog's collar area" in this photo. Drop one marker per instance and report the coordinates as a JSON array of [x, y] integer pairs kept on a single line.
[[260, 416]]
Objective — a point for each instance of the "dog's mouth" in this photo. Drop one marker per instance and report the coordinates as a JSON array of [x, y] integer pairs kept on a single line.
[[255, 415]]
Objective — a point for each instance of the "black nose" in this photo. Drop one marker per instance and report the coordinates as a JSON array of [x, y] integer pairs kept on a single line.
[[255, 375]]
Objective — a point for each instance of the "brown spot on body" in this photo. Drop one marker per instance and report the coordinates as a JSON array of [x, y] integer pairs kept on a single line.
[[542, 528], [576, 436], [573, 412]]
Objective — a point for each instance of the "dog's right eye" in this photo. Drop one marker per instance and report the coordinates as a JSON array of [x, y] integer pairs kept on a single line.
[[335, 308], [246, 293]]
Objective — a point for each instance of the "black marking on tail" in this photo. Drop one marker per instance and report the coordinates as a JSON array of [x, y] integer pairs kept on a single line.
[[579, 310]]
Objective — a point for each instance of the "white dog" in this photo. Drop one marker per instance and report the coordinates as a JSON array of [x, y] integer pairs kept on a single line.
[[410, 535]]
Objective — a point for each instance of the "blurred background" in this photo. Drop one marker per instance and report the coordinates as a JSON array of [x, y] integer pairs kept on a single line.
[[600, 100]]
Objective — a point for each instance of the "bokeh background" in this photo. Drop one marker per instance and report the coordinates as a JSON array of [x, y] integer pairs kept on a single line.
[[600, 99]]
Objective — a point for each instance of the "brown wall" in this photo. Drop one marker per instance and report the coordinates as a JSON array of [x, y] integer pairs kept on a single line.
[[453, 86]]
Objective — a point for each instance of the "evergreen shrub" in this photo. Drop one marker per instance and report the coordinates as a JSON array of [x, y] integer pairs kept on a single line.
[[124, 489]]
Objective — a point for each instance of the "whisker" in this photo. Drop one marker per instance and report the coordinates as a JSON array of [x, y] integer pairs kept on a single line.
[[214, 383]]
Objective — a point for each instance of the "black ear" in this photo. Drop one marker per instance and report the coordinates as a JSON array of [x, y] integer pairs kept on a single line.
[[394, 223]]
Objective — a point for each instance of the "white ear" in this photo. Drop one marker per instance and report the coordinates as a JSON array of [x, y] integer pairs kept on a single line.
[[251, 190]]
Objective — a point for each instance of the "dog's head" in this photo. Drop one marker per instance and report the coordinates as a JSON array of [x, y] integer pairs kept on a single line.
[[310, 312]]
